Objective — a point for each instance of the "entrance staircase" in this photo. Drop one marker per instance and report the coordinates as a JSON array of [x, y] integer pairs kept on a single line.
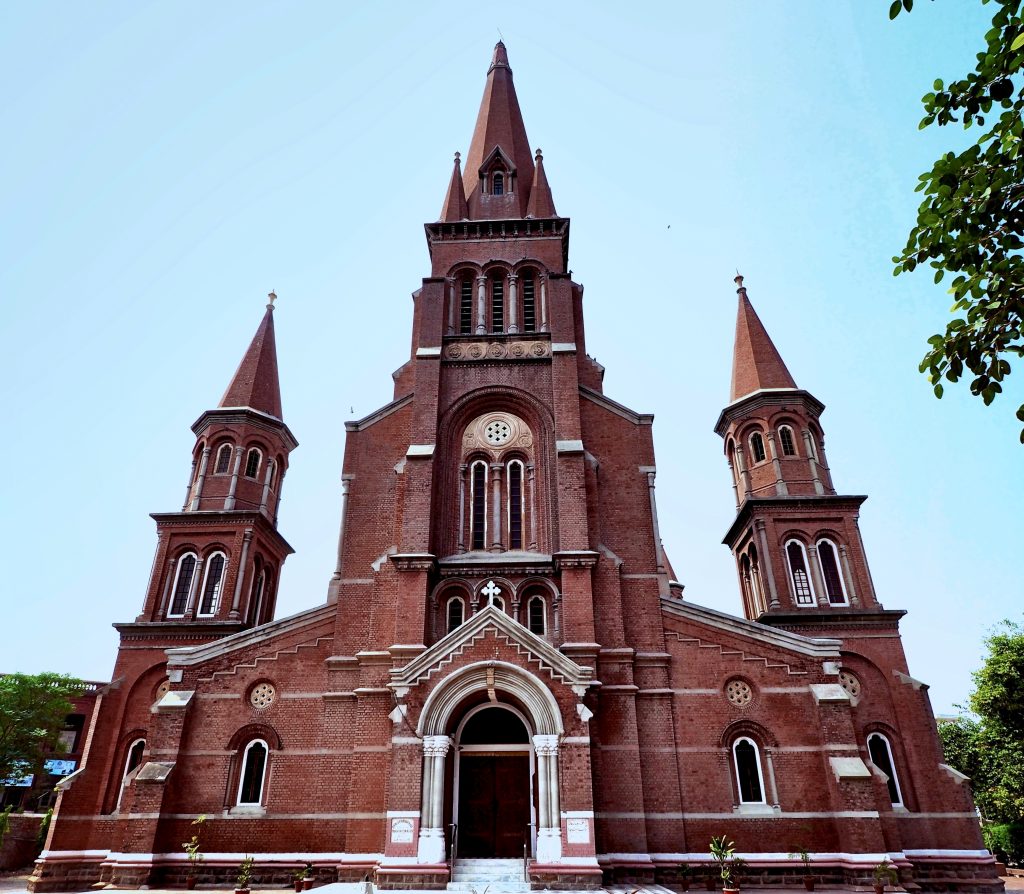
[[497, 876]]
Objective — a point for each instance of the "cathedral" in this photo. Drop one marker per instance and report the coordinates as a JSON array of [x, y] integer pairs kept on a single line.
[[503, 684]]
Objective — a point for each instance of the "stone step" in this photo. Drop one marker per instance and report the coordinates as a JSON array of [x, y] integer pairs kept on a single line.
[[493, 886]]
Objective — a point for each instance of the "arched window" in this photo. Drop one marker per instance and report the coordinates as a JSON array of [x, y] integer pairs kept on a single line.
[[798, 573], [757, 447], [212, 584], [498, 603], [812, 439], [752, 582], [182, 585], [131, 764], [456, 612], [835, 589], [787, 441], [498, 302], [515, 504], [256, 599], [253, 775], [880, 752], [536, 615], [252, 463], [529, 304], [466, 306], [478, 500], [223, 464], [498, 183], [749, 779]]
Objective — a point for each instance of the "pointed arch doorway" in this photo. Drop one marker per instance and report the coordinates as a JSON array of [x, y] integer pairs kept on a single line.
[[492, 797]]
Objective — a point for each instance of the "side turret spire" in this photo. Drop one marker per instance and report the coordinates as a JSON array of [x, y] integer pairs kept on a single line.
[[455, 207], [541, 202], [255, 384], [756, 362]]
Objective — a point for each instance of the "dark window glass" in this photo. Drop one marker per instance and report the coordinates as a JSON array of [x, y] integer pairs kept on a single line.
[[479, 504], [135, 756], [878, 748], [536, 615], [498, 304], [786, 437], [186, 568], [499, 184], [223, 460], [830, 573], [252, 463], [515, 505], [466, 307], [257, 600], [798, 570], [214, 576], [529, 305], [456, 611], [757, 447], [251, 791], [494, 726], [747, 772]]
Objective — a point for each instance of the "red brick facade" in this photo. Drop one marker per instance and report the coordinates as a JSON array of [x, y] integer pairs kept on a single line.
[[499, 558]]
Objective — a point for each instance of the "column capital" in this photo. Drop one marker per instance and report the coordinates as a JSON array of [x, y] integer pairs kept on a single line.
[[546, 744], [436, 746]]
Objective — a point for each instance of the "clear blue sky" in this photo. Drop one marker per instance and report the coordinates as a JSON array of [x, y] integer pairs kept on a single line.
[[166, 164]]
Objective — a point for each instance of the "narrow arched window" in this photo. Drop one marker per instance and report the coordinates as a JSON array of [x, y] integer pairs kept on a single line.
[[252, 463], [749, 781], [131, 764], [535, 615], [466, 307], [786, 440], [757, 447], [256, 599], [529, 304], [223, 464], [254, 771], [498, 183], [812, 439], [798, 574], [835, 589], [182, 585], [498, 603], [456, 612], [478, 498], [212, 584], [515, 505], [498, 303], [880, 752]]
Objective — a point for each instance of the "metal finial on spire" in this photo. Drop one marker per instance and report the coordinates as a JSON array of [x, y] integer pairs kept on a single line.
[[458, 155], [272, 296], [539, 155], [738, 279]]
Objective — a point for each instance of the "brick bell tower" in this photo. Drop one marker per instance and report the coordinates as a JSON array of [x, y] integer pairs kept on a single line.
[[797, 544]]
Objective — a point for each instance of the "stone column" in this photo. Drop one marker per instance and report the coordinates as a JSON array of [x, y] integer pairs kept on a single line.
[[463, 469], [280, 488], [815, 570], [481, 305], [780, 484], [190, 602], [544, 325], [341, 528], [766, 557], [229, 500], [809, 448], [867, 568], [198, 493], [851, 590], [171, 562], [735, 487], [549, 815], [744, 474], [188, 487], [531, 473], [240, 574], [450, 280], [266, 485], [431, 842], [496, 506], [513, 318], [654, 520]]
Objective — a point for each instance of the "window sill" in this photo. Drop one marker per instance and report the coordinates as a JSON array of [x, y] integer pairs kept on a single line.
[[756, 809], [248, 810]]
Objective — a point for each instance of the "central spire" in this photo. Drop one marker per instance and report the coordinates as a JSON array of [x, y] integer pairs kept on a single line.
[[499, 148], [756, 362]]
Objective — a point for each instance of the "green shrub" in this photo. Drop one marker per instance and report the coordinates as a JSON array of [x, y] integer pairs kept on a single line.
[[1006, 841]]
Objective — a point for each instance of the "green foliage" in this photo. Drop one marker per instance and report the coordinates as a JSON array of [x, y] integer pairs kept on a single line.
[[999, 686], [244, 874], [193, 847], [33, 708], [971, 221], [885, 873], [44, 828], [722, 850], [1006, 841], [5, 821]]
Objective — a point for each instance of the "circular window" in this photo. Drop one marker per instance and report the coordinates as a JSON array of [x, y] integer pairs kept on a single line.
[[262, 696], [497, 432], [162, 690], [739, 693], [850, 683]]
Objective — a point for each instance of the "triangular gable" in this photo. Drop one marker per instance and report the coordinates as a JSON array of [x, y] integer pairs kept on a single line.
[[491, 618], [498, 152]]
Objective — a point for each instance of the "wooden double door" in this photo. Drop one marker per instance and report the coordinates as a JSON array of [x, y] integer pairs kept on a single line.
[[494, 803]]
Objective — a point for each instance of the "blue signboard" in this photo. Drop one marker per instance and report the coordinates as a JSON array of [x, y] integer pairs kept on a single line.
[[60, 768]]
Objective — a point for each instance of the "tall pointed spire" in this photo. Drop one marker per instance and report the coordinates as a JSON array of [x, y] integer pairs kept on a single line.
[[499, 125], [756, 363], [541, 202], [455, 207], [255, 383]]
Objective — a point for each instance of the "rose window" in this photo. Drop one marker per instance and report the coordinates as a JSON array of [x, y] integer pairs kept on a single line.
[[739, 693], [497, 432], [850, 683], [262, 696]]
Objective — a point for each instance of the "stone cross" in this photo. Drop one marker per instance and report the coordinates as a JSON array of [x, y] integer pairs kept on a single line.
[[490, 591]]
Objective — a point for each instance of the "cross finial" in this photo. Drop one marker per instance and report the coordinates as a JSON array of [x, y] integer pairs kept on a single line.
[[738, 279], [490, 591], [458, 155], [271, 297]]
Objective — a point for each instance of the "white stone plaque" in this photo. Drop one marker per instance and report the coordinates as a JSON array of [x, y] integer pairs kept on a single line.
[[577, 831], [401, 831]]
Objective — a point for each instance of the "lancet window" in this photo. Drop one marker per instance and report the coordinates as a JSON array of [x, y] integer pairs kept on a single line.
[[131, 765], [466, 306], [880, 751], [798, 573], [757, 447], [529, 302], [835, 589], [212, 584], [182, 585], [498, 302], [787, 440], [223, 464], [252, 462], [253, 775], [749, 777]]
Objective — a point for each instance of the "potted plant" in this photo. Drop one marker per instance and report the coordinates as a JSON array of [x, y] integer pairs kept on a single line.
[[722, 851], [244, 876], [307, 876], [684, 876], [805, 858], [193, 851], [298, 878], [884, 873]]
